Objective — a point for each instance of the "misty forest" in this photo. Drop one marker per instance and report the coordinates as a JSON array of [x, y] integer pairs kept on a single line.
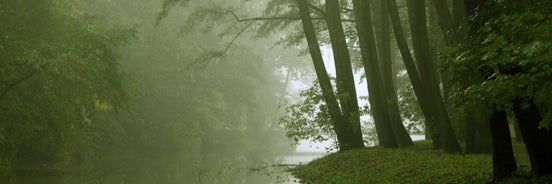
[[275, 91]]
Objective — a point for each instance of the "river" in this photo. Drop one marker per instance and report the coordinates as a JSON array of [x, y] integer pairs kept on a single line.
[[246, 170], [304, 152]]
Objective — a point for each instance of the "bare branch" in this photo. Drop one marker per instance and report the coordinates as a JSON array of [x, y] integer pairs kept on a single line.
[[9, 87], [218, 54], [236, 37], [271, 18], [345, 9], [167, 6], [316, 9]]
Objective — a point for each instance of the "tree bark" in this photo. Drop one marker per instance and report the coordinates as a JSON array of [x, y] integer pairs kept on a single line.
[[470, 140], [323, 78], [401, 135], [344, 74], [444, 17], [420, 42], [504, 163], [412, 71], [537, 141], [459, 17], [473, 5], [519, 137], [478, 133], [362, 12]]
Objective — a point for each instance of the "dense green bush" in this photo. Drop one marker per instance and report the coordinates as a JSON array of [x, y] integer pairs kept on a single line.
[[57, 69], [510, 48]]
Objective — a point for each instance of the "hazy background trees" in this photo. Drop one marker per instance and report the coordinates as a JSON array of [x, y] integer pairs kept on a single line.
[[94, 89], [191, 89]]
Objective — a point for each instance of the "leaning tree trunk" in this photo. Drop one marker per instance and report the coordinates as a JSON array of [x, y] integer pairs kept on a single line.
[[412, 71], [478, 137], [323, 78], [384, 45], [504, 163], [344, 74], [444, 18], [367, 43], [538, 141], [420, 42]]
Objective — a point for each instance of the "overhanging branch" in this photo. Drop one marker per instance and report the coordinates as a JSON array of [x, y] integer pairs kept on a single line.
[[12, 85], [219, 54], [272, 18]]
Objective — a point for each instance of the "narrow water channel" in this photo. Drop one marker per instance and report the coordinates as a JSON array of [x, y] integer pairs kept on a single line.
[[304, 152], [280, 173], [244, 171]]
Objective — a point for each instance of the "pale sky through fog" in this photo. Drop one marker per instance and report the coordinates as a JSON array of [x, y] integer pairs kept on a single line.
[[327, 55], [361, 88]]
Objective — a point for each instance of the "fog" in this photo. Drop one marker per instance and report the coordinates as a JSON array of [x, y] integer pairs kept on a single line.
[[201, 104], [160, 92]]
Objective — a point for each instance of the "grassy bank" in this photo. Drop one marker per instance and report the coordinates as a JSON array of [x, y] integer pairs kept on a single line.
[[417, 164]]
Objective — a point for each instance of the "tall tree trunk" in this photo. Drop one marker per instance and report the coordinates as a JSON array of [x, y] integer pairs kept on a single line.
[[478, 134], [537, 141], [472, 5], [323, 78], [469, 132], [459, 17], [420, 42], [344, 73], [504, 163], [444, 17], [433, 27], [401, 135], [412, 71], [367, 43], [519, 137]]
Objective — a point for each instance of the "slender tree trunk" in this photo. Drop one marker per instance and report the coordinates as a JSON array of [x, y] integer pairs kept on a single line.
[[401, 135], [459, 17], [344, 74], [519, 137], [478, 137], [444, 17], [504, 163], [538, 141], [469, 132], [478, 133], [483, 134], [323, 78], [433, 27], [428, 74], [412, 71], [472, 5], [362, 11]]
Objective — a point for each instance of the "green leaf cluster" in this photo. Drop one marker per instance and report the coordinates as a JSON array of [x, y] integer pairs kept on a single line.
[[308, 119], [509, 55], [57, 69]]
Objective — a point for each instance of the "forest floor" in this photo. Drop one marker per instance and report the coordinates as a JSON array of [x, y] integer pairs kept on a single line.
[[417, 164]]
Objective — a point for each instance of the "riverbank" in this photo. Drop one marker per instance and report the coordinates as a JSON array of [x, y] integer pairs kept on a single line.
[[417, 164]]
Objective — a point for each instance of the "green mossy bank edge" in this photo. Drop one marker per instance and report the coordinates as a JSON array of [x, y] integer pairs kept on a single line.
[[417, 164]]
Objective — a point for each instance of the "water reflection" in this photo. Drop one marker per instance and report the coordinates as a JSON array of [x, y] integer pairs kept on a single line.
[[241, 170], [237, 170]]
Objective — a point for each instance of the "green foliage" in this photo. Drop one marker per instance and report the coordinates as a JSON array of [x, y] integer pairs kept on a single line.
[[185, 123], [418, 164], [68, 109], [508, 56], [308, 119], [58, 69], [409, 106]]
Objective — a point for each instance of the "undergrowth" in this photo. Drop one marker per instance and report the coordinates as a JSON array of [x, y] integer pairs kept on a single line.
[[417, 164]]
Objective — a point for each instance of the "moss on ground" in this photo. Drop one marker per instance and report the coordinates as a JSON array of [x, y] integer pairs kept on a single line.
[[417, 164]]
